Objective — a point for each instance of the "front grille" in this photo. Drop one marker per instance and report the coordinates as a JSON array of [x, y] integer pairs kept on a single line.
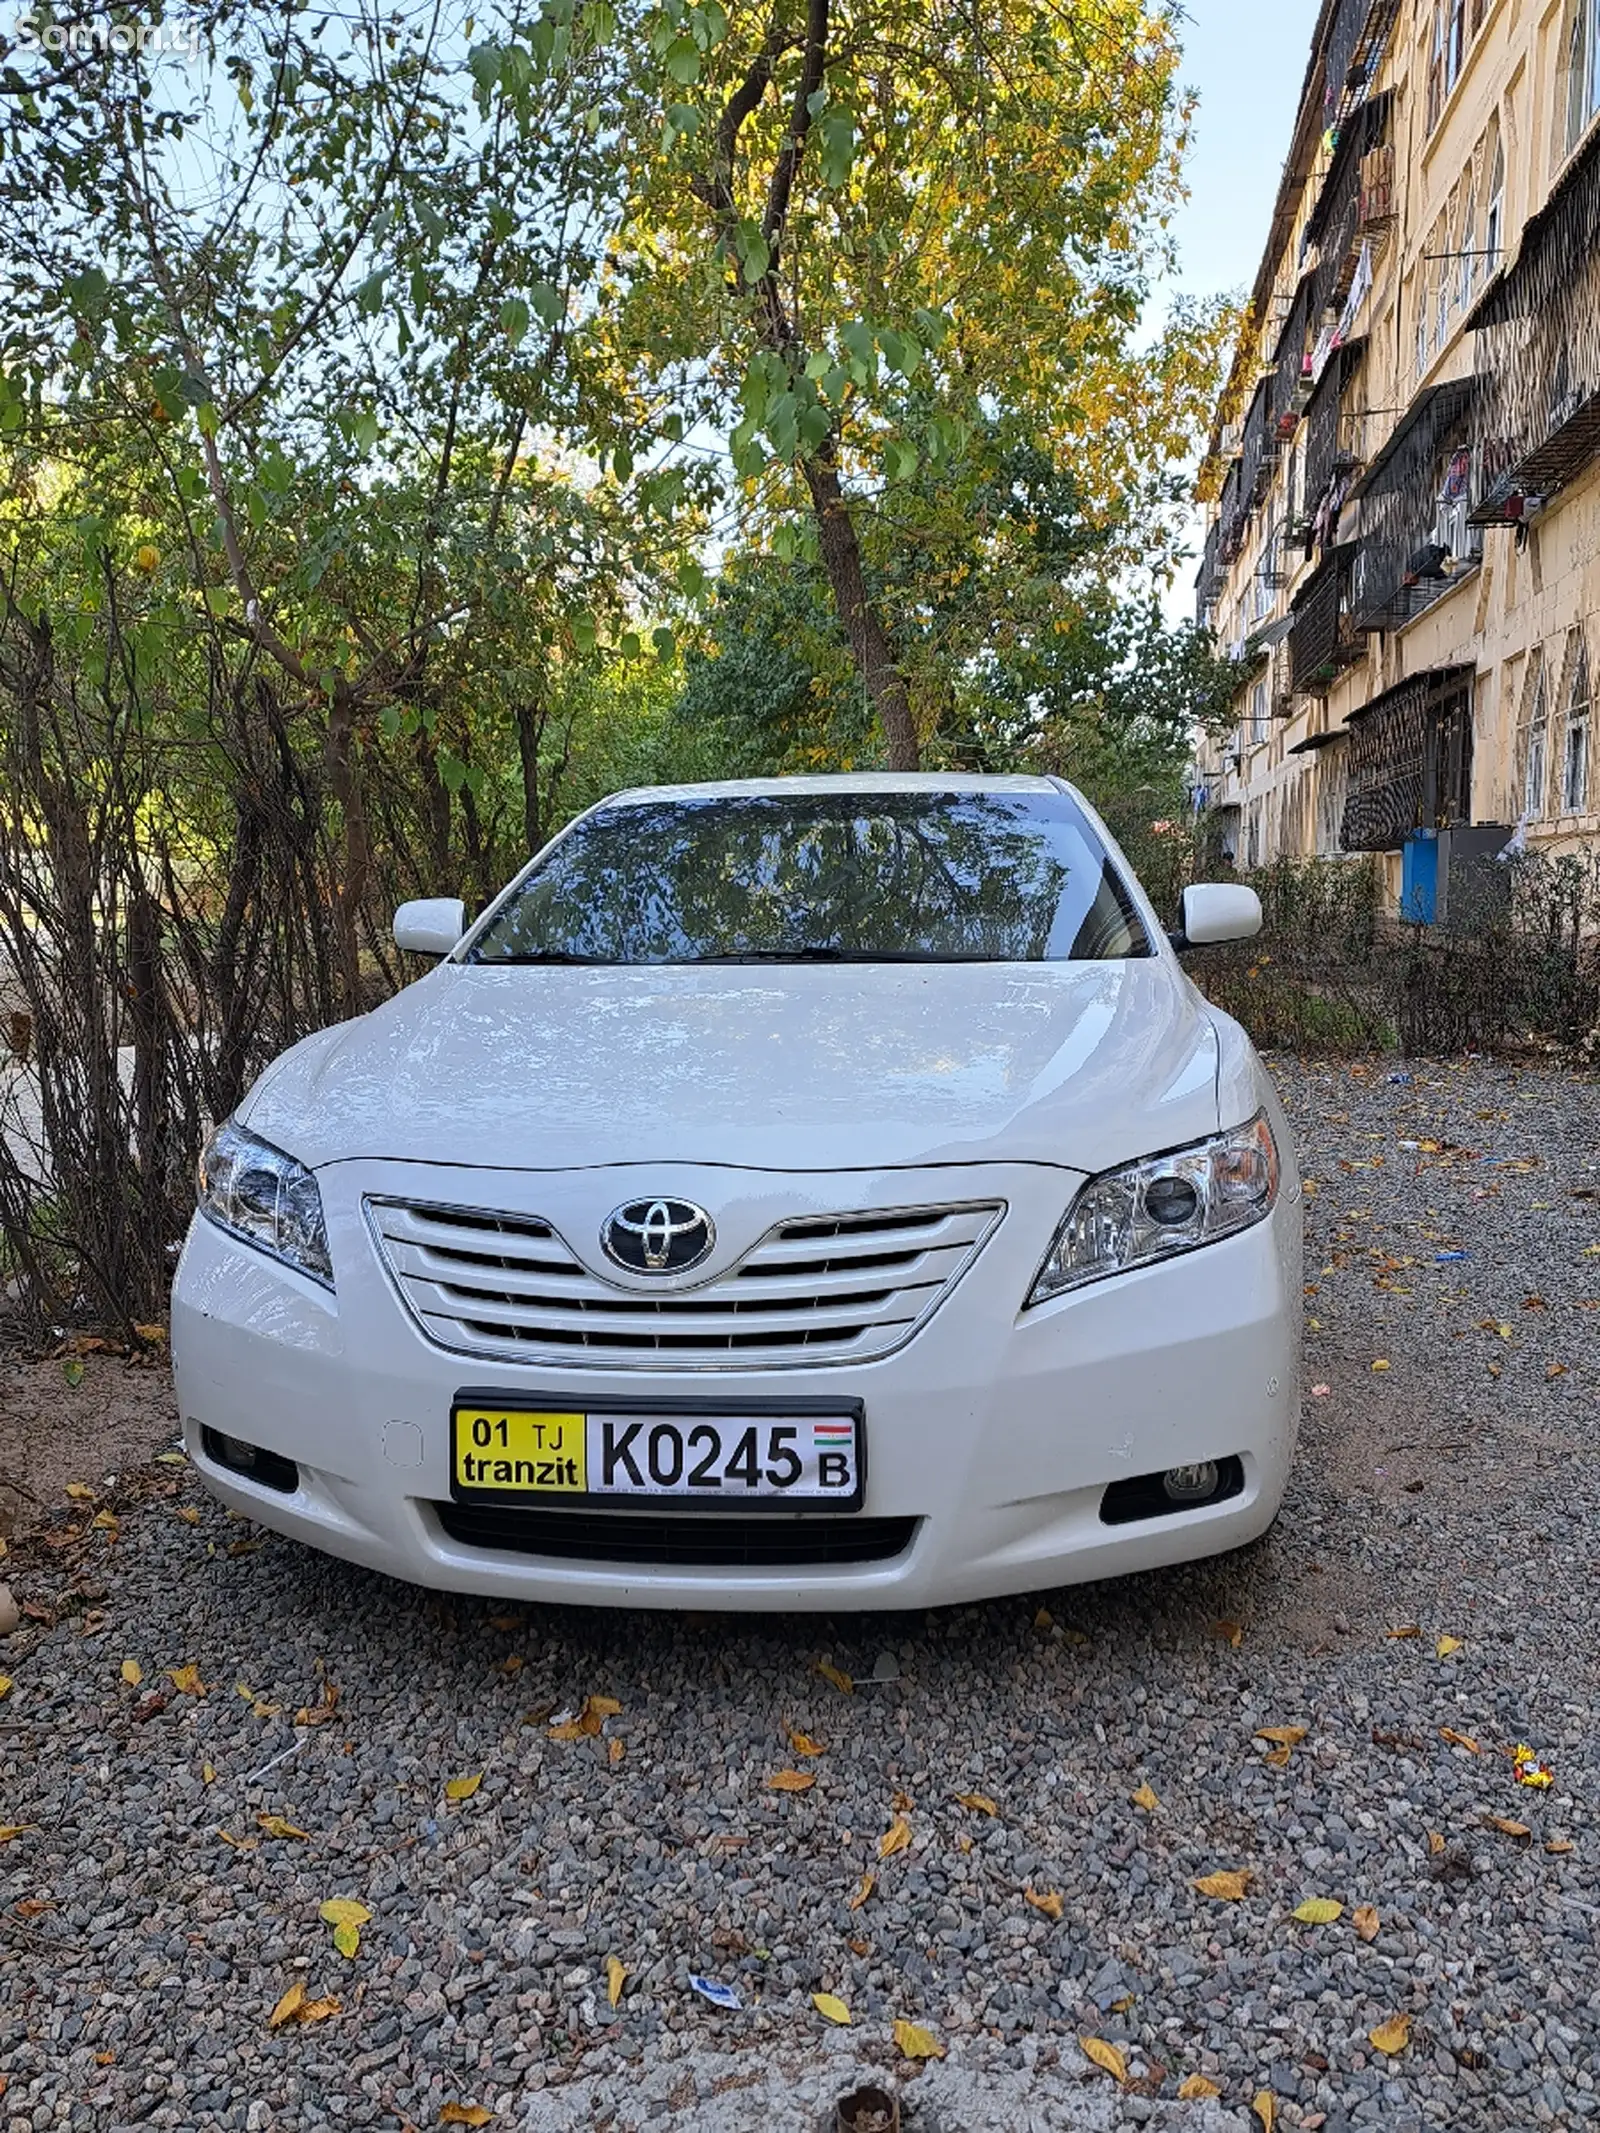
[[819, 1289], [729, 1542]]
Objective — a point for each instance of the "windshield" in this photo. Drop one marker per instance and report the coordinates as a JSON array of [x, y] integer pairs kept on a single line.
[[852, 876]]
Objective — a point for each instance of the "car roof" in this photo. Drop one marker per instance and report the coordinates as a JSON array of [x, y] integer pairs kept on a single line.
[[865, 782]]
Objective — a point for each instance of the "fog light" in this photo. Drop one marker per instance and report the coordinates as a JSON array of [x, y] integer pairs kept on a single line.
[[255, 1463], [1191, 1484]]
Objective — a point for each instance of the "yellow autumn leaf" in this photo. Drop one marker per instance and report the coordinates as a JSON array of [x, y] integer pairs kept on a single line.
[[1106, 2056], [1558, 1847], [979, 1802], [602, 1707], [156, 1334], [80, 1491], [1319, 1911], [289, 2006], [915, 2042], [895, 1838], [208, 1775], [318, 2010], [1146, 1799], [1446, 1646], [1045, 1900], [1391, 2037], [465, 2114], [1226, 1887], [864, 1888], [615, 1978], [347, 1939], [1266, 2109], [1406, 1629], [1380, 1366], [188, 1513], [8, 1830], [791, 1781], [1459, 1740], [615, 1751], [837, 1676], [132, 1672], [1282, 1736], [1230, 1632], [106, 1521], [831, 2008], [276, 1826], [186, 1679], [803, 1744], [1435, 1843], [1366, 1921], [462, 1788], [344, 1911], [1194, 2088]]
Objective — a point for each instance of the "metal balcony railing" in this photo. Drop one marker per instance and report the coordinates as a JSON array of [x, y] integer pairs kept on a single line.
[[1414, 537]]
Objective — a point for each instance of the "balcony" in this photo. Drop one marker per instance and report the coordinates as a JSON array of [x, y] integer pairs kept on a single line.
[[1409, 761], [1415, 533], [1538, 339], [1323, 640], [1356, 40], [1208, 582]]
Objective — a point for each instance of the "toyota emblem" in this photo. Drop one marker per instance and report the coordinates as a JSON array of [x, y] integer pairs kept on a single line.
[[658, 1236]]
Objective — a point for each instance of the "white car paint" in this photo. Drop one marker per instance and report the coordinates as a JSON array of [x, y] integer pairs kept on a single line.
[[766, 1095]]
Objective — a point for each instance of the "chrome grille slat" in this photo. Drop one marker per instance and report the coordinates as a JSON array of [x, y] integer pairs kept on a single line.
[[814, 1289]]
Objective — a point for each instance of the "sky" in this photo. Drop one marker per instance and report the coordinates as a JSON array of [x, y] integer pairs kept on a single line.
[[1247, 60]]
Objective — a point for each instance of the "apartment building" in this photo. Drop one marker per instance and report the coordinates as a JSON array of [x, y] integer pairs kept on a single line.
[[1403, 489]]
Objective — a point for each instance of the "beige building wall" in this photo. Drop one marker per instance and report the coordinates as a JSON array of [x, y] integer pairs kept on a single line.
[[1440, 217]]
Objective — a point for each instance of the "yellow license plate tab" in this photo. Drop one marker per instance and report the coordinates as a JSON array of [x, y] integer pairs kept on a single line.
[[524, 1451]]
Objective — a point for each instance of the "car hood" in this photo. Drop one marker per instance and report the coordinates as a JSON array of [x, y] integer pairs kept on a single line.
[[810, 1067]]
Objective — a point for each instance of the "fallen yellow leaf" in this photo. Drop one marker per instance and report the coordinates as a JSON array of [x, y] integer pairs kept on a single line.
[[1459, 1740], [1406, 1629], [1266, 2107], [106, 1521], [1106, 2057], [344, 1911], [188, 1513], [803, 1744], [80, 1491], [186, 1679], [1446, 1646], [831, 2008], [318, 2010], [1380, 1366], [289, 2006], [615, 1751], [1366, 1922], [979, 1802], [1319, 1911], [1231, 1632], [276, 1826], [240, 1844], [462, 1788], [615, 1977], [152, 1333], [1435, 1843], [916, 2043], [208, 1775], [1282, 1736], [1146, 1799], [1227, 1887], [132, 1672], [791, 1781], [596, 1710], [837, 1676], [1045, 1900], [1194, 2088], [1391, 2037], [1558, 1847], [8, 1830], [465, 2114], [864, 1888], [347, 1939], [895, 1838]]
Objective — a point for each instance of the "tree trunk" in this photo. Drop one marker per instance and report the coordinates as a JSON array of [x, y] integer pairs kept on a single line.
[[530, 731], [869, 641], [350, 892]]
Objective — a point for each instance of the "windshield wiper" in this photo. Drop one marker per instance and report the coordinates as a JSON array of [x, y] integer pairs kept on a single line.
[[820, 954], [545, 955]]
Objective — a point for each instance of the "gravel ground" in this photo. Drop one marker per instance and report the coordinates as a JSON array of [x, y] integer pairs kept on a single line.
[[149, 1922]]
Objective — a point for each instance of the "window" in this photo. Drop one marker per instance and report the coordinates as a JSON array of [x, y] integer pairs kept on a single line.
[[1575, 733], [1455, 44], [1260, 708], [1436, 67], [1442, 283], [1582, 68], [1424, 317], [1468, 262], [846, 876], [1494, 221], [1532, 740]]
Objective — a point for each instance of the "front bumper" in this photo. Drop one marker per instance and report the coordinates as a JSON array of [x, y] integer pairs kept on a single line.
[[996, 1430]]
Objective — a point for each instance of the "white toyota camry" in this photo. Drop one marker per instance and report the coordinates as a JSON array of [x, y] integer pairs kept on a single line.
[[805, 1193]]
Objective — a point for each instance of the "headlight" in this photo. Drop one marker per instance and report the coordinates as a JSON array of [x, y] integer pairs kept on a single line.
[[1164, 1205], [256, 1192]]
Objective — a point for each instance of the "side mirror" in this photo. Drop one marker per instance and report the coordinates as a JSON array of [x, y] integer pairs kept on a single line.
[[431, 925], [1215, 911]]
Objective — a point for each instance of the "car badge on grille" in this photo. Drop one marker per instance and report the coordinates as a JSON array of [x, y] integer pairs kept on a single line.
[[658, 1236]]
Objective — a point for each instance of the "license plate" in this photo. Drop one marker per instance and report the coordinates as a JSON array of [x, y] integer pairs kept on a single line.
[[794, 1460]]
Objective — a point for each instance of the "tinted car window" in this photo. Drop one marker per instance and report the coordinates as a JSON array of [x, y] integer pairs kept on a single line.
[[851, 876]]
